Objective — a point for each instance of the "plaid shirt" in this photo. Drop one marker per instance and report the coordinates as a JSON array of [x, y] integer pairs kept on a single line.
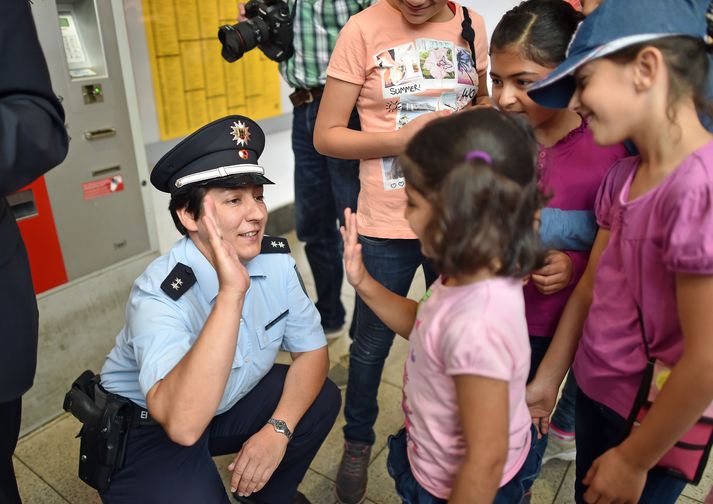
[[316, 26]]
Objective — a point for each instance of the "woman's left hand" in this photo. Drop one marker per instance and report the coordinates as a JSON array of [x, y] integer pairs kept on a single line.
[[614, 479]]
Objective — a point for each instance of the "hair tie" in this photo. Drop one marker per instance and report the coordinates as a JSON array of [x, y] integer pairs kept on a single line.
[[479, 154]]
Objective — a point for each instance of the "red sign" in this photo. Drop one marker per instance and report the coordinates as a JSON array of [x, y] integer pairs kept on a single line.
[[102, 187]]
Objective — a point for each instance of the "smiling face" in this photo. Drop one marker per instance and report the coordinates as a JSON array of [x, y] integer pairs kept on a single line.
[[241, 215], [609, 114], [511, 74], [417, 12]]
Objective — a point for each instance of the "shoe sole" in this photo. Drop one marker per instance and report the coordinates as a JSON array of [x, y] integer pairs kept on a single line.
[[566, 457], [340, 501]]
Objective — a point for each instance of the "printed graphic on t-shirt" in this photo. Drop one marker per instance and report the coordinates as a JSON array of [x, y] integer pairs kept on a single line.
[[408, 108], [408, 71]]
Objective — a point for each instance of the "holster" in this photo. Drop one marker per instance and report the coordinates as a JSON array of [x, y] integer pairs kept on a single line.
[[105, 421]]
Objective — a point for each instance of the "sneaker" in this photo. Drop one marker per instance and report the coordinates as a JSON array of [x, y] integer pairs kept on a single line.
[[560, 448], [352, 474]]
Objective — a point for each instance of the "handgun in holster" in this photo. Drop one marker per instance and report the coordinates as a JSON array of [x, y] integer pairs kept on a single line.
[[105, 424]]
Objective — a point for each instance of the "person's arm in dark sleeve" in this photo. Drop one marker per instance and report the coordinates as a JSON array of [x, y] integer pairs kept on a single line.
[[33, 138], [567, 229]]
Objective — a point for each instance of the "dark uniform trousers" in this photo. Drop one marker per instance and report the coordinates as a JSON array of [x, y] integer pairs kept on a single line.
[[157, 470]]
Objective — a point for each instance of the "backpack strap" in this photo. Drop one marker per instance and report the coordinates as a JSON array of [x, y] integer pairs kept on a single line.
[[468, 34]]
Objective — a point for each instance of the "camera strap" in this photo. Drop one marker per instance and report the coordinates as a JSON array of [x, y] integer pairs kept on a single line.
[[468, 34]]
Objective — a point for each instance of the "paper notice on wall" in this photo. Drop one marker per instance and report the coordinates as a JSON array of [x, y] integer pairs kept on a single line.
[[192, 83]]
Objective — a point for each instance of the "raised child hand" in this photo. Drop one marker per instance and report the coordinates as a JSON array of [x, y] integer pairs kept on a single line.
[[353, 264], [233, 277], [555, 274]]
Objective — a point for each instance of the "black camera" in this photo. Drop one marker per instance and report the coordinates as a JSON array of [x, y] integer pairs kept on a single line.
[[268, 26]]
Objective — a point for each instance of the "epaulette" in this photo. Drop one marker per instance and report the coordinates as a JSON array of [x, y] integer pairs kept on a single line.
[[274, 245], [179, 280]]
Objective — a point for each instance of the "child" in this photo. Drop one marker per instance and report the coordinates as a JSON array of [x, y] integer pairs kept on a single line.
[[527, 44], [640, 74], [402, 64], [471, 182]]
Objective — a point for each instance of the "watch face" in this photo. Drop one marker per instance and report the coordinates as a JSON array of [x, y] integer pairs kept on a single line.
[[280, 424]]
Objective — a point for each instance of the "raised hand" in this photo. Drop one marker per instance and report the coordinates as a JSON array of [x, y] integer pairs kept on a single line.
[[353, 264], [233, 277]]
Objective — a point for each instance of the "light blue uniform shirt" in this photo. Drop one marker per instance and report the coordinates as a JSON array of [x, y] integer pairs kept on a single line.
[[159, 331]]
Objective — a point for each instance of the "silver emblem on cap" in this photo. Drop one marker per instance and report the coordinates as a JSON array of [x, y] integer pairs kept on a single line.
[[240, 132]]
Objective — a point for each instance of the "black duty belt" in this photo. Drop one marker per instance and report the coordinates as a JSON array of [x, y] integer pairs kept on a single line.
[[138, 416], [302, 96]]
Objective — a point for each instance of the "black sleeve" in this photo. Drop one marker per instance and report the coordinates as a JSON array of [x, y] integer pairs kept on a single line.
[[33, 138]]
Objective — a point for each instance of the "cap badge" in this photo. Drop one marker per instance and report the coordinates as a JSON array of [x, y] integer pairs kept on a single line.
[[240, 132], [243, 153]]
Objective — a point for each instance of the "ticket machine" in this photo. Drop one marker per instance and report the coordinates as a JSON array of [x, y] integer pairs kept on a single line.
[[88, 213]]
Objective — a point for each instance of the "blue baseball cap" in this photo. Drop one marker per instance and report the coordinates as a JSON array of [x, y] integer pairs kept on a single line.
[[614, 25]]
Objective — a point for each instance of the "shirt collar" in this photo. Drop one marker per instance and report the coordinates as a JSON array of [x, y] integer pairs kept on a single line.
[[206, 275]]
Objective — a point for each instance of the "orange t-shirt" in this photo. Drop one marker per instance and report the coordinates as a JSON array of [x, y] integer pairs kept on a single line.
[[405, 70]]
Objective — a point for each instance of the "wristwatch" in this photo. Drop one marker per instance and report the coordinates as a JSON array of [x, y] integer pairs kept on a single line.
[[281, 427]]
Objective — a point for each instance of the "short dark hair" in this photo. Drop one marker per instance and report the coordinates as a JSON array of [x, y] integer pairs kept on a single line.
[[482, 211], [189, 197], [687, 59], [540, 30]]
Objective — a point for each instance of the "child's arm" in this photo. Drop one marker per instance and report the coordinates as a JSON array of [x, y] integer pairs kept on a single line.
[[620, 474], [397, 312], [333, 138], [567, 229], [483, 409], [542, 391]]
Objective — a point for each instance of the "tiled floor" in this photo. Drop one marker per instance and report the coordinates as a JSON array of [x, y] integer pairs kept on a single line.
[[46, 459]]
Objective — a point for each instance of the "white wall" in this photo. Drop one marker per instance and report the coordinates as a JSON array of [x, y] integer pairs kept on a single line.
[[277, 158]]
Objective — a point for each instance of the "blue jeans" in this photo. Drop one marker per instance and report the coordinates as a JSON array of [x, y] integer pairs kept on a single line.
[[411, 492], [600, 428], [324, 187], [393, 264]]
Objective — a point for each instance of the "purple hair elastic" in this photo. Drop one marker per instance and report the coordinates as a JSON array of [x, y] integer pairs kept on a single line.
[[479, 154]]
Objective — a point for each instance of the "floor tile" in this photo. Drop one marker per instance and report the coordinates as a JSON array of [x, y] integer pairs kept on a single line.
[[565, 495], [32, 488], [53, 453], [548, 483], [381, 486], [389, 421]]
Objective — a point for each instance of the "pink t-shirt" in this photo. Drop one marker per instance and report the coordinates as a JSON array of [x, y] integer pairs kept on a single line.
[[477, 329], [405, 70], [571, 171], [666, 231]]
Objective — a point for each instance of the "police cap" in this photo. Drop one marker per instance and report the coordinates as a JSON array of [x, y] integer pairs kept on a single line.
[[223, 153]]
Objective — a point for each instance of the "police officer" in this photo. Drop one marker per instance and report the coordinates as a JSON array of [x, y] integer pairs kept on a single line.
[[204, 324]]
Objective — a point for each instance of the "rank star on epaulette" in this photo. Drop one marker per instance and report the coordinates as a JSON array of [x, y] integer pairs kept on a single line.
[[274, 245], [179, 280], [241, 133]]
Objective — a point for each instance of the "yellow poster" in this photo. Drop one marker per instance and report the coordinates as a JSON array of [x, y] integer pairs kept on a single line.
[[192, 82]]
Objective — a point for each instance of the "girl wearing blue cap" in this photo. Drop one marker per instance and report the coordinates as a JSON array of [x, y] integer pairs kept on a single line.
[[638, 70]]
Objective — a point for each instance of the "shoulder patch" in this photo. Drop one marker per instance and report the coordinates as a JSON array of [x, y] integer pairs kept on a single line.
[[179, 280], [274, 245]]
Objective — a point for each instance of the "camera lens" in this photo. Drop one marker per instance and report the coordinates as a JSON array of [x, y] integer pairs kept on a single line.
[[242, 37]]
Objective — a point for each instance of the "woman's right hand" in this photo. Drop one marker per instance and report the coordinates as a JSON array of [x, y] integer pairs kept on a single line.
[[233, 277], [541, 399], [353, 264]]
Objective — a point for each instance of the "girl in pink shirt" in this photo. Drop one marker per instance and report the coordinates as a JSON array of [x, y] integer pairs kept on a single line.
[[471, 183], [527, 44], [638, 70], [402, 63]]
